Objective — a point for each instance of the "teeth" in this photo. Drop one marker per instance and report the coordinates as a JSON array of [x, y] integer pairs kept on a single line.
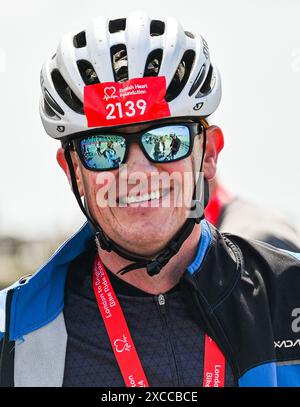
[[164, 193], [145, 197], [123, 200]]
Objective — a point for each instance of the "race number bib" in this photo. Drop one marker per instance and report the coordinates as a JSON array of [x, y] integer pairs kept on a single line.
[[116, 103]]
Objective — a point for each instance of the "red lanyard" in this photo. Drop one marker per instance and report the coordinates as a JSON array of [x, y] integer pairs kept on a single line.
[[122, 343], [214, 364]]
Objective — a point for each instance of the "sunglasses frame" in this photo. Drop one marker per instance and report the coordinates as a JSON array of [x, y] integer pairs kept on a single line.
[[194, 128]]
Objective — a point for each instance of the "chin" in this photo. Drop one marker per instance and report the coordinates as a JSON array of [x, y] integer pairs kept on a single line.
[[150, 236]]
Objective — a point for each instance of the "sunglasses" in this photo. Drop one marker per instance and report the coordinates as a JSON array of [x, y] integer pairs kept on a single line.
[[105, 150]]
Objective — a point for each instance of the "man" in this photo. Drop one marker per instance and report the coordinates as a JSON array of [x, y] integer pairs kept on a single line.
[[111, 155], [159, 149], [99, 149], [175, 145], [147, 292]]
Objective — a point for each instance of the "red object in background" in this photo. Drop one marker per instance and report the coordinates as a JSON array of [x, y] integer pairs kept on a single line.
[[117, 103], [218, 200]]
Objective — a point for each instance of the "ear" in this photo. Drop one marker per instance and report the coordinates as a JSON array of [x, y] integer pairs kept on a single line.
[[60, 157], [214, 144]]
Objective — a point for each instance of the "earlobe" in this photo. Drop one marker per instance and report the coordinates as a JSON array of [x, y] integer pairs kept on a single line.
[[214, 144], [219, 138], [60, 157]]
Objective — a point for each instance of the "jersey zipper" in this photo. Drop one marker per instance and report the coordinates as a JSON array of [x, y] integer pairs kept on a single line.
[[161, 301]]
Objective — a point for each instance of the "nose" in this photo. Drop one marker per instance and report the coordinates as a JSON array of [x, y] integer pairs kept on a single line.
[[139, 172], [137, 161]]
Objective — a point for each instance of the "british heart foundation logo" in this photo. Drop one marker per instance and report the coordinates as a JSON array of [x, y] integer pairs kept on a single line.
[[132, 101], [122, 345], [110, 93]]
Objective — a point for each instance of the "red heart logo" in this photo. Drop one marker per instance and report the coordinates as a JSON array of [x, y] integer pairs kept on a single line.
[[109, 91]]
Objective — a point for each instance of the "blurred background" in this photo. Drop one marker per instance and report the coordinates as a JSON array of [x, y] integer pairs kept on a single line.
[[256, 46]]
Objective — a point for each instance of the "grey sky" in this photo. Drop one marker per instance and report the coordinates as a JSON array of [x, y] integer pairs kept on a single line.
[[255, 44]]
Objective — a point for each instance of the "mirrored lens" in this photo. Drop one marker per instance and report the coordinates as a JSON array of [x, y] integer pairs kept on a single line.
[[103, 152], [167, 143]]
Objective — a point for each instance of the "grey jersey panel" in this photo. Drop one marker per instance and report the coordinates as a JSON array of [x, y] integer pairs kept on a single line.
[[254, 222], [40, 357]]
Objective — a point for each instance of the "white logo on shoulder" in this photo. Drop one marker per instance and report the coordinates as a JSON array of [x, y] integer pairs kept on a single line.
[[110, 93], [121, 345], [287, 343]]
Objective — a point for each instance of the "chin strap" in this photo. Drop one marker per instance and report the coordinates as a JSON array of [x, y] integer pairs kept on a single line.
[[153, 266]]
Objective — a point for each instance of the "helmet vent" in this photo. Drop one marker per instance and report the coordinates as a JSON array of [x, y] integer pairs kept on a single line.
[[79, 40], [119, 62], [52, 103], [181, 75], [206, 87], [115, 26], [157, 27], [153, 62], [87, 72], [189, 34], [48, 110], [65, 92], [198, 81]]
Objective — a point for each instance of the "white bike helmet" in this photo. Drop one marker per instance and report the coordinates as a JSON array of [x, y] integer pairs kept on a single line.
[[118, 50]]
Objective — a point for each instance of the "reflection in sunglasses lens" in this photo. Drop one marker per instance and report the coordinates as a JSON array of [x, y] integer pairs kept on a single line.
[[162, 144], [167, 143], [103, 152]]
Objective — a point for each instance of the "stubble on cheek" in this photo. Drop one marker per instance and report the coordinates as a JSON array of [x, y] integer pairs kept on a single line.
[[96, 186]]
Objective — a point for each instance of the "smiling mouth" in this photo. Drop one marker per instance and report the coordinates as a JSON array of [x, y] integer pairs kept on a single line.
[[125, 200]]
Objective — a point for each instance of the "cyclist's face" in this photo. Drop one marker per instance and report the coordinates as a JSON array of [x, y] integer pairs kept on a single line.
[[164, 191]]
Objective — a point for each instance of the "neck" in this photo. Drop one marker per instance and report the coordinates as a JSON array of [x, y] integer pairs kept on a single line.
[[169, 275]]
